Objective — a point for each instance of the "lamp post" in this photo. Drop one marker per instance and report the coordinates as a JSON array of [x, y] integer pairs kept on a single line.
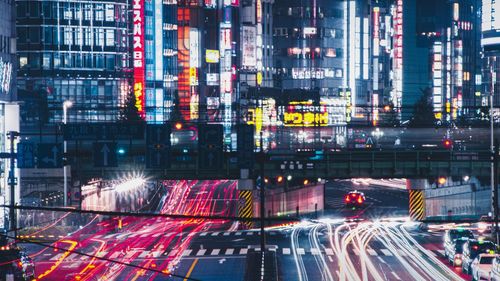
[[66, 104]]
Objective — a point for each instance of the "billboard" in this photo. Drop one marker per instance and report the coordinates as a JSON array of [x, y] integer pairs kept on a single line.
[[138, 55], [490, 24], [249, 39], [305, 114]]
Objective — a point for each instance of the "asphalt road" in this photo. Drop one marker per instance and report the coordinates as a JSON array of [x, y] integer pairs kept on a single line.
[[373, 243]]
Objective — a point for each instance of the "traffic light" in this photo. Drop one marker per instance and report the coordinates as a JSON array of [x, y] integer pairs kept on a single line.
[[447, 143]]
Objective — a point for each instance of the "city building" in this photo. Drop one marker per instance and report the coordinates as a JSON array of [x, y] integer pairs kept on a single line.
[[490, 41], [75, 51], [9, 109], [455, 58]]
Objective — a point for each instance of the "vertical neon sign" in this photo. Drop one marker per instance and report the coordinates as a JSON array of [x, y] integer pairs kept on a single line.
[[398, 56], [138, 54]]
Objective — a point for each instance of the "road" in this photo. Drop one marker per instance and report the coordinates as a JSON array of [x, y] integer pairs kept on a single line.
[[372, 243]]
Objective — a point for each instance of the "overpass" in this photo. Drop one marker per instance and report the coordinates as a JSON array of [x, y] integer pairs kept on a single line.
[[328, 165]]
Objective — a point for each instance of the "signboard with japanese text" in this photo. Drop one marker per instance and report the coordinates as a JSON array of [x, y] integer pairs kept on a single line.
[[138, 54], [305, 114]]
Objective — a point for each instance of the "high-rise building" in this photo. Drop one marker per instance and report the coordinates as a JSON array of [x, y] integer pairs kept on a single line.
[[9, 110], [77, 51], [490, 41]]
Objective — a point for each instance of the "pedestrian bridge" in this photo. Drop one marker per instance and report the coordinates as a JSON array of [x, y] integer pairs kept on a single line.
[[327, 165]]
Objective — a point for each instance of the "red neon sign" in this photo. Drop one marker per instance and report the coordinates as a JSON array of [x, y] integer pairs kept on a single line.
[[138, 55]]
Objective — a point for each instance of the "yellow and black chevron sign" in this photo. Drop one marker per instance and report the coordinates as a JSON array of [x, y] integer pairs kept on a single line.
[[245, 206], [417, 205]]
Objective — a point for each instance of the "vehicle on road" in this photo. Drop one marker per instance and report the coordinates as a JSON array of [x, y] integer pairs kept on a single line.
[[495, 269], [481, 266], [457, 233], [354, 199], [453, 251], [472, 248]]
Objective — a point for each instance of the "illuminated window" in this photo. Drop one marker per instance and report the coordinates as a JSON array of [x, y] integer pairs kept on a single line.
[[68, 36], [109, 13], [110, 37], [99, 13]]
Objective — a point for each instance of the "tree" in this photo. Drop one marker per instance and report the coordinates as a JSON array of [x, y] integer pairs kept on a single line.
[[129, 112], [423, 115]]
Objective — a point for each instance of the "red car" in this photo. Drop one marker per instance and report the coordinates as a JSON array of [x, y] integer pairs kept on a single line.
[[355, 199]]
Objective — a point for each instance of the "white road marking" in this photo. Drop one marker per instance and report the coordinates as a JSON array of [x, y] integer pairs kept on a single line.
[[315, 251], [204, 234], [330, 258], [286, 251], [215, 233], [229, 251], [386, 252], [186, 252], [249, 233], [301, 251], [243, 251], [201, 252], [371, 252], [381, 259], [226, 234], [395, 275], [329, 251], [215, 252], [238, 233]]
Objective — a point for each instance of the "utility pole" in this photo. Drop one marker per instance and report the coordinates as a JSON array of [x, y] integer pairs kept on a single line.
[[262, 198], [494, 156], [12, 183], [495, 190]]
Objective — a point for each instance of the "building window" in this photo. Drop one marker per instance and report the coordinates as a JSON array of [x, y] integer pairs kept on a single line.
[[99, 38], [87, 11], [110, 37], [46, 61], [78, 36], [99, 13], [87, 36], [67, 12], [57, 60], [109, 13], [68, 36]]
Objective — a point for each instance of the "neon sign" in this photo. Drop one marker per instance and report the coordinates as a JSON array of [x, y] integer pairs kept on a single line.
[[138, 54], [305, 114]]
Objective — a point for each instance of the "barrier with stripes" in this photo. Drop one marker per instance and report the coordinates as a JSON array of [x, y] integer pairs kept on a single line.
[[417, 205], [245, 206]]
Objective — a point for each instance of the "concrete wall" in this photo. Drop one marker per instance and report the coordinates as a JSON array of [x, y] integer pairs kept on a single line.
[[279, 202], [461, 200]]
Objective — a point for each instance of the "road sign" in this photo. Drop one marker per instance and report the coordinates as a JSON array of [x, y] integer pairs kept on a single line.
[[103, 131], [245, 146], [25, 155], [158, 146], [50, 155], [105, 154], [210, 146]]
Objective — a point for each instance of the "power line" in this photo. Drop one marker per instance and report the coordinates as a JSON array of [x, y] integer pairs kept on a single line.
[[132, 214]]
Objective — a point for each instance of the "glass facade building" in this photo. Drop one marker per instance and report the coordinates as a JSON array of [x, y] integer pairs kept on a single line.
[[78, 51]]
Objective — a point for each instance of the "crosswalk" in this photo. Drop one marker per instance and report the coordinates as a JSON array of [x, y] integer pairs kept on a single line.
[[216, 252], [225, 234]]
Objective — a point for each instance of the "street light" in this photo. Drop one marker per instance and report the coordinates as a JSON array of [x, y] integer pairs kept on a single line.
[[66, 104]]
